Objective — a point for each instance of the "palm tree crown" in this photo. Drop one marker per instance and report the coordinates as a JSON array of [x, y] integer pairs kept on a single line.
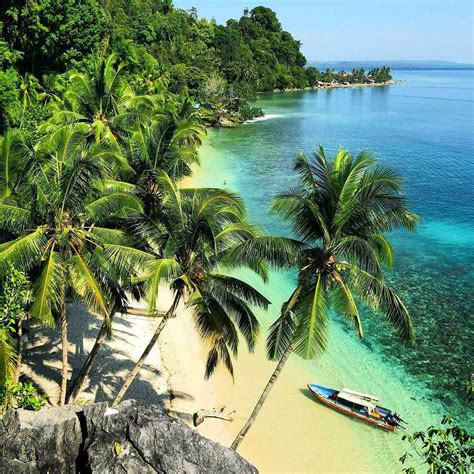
[[340, 212]]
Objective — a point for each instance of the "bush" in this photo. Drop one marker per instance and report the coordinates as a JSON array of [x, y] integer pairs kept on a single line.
[[21, 395], [248, 112], [442, 450]]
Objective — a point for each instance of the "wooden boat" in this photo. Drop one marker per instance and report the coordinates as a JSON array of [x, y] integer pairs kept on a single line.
[[358, 405]]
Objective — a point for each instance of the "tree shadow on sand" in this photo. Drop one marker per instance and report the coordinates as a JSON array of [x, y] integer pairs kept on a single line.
[[113, 362]]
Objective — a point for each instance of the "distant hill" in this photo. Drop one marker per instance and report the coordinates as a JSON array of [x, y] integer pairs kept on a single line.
[[394, 64]]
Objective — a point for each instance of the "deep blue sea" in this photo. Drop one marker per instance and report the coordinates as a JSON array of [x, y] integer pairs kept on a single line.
[[424, 128]]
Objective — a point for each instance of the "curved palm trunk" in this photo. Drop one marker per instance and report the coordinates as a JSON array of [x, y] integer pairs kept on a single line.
[[64, 349], [78, 383], [131, 376], [239, 438]]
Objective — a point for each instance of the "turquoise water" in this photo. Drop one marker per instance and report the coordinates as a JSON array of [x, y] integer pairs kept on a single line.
[[424, 128]]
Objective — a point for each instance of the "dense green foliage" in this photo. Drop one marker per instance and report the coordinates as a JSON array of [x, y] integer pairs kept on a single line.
[[447, 449], [13, 302], [21, 395], [219, 66], [90, 210]]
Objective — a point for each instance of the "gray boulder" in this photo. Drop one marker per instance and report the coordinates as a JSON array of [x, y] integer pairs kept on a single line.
[[100, 439]]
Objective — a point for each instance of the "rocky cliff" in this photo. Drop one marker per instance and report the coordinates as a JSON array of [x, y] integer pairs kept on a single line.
[[100, 439]]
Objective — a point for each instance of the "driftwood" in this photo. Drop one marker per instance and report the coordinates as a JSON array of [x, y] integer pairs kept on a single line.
[[201, 415], [144, 312]]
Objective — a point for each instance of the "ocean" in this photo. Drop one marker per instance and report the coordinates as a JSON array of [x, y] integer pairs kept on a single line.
[[424, 128]]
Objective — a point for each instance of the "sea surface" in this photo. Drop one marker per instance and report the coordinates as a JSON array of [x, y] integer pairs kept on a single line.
[[424, 128]]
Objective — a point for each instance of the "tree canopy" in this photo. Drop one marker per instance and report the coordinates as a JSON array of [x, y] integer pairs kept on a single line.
[[46, 38]]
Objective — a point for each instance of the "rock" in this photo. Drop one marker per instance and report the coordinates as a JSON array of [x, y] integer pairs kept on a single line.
[[225, 122], [44, 441], [101, 439]]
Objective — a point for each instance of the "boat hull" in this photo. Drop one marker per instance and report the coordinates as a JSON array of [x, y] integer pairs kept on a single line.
[[323, 393]]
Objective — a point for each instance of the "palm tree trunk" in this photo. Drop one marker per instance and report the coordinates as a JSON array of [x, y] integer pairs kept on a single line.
[[64, 348], [19, 351], [131, 376], [239, 438], [78, 383]]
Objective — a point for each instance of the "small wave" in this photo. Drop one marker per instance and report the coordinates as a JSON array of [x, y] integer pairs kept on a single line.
[[264, 118]]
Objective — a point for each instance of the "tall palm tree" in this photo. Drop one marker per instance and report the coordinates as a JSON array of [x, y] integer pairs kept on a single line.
[[53, 225], [340, 211], [184, 248]]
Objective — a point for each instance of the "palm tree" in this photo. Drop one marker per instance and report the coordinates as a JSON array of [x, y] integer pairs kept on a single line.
[[103, 100], [340, 211], [169, 141], [185, 247], [53, 225]]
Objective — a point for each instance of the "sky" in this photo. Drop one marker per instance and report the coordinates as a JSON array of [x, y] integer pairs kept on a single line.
[[365, 29]]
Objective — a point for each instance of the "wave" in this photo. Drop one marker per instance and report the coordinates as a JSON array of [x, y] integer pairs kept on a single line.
[[264, 118]]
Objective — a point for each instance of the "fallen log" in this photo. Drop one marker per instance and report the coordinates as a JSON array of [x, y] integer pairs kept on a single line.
[[201, 415]]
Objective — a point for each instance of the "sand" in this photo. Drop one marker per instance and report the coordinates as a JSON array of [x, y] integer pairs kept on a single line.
[[290, 434], [276, 443], [42, 360]]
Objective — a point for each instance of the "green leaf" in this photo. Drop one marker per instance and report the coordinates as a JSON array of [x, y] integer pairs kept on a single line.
[[47, 289], [312, 319]]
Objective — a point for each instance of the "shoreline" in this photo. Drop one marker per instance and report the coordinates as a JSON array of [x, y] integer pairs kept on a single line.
[[391, 82], [227, 122]]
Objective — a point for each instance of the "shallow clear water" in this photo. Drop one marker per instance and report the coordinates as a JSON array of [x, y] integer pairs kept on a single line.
[[424, 128]]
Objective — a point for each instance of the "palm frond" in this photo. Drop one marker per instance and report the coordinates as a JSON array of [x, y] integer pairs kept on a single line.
[[239, 288], [279, 252], [377, 295], [47, 289], [157, 272], [343, 303], [282, 331], [87, 287], [119, 204], [311, 320], [8, 356], [24, 252], [14, 218]]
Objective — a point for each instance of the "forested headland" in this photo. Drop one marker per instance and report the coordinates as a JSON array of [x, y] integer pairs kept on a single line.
[[220, 67]]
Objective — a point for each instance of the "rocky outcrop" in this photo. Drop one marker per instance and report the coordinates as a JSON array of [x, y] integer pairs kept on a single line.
[[101, 439]]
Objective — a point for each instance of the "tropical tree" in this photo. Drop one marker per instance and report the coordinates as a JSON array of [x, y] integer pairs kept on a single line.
[[186, 247], [52, 224], [168, 141], [102, 99], [340, 211]]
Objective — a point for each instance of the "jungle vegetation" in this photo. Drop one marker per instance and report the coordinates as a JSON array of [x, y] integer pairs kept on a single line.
[[218, 67]]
